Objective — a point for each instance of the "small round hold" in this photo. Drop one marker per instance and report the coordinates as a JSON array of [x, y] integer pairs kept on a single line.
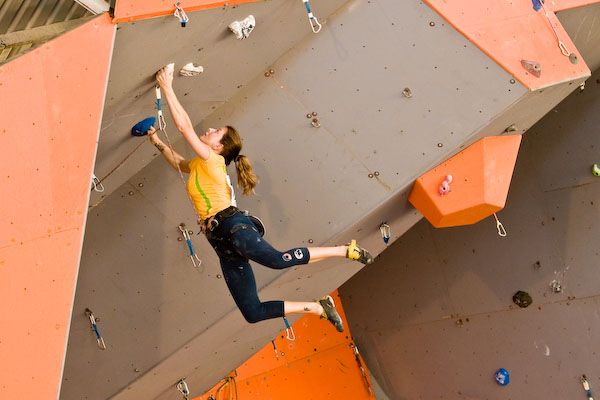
[[370, 175], [512, 81], [309, 115], [267, 74], [315, 123], [314, 114], [432, 23], [407, 93], [440, 144], [271, 71], [140, 184], [376, 173], [573, 58], [219, 276], [131, 193], [310, 241]]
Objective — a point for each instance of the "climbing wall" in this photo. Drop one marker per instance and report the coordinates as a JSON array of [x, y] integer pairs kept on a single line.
[[389, 102], [434, 314], [49, 149]]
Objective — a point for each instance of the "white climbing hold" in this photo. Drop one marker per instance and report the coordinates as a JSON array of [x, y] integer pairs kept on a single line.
[[190, 69], [242, 28]]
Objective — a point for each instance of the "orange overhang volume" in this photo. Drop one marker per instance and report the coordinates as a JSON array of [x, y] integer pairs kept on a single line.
[[470, 186]]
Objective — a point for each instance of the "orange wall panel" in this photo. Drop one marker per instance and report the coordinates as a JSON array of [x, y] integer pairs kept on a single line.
[[133, 10], [511, 31], [319, 364], [51, 100]]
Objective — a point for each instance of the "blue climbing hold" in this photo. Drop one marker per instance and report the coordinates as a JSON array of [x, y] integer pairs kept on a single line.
[[537, 4], [141, 128], [502, 377]]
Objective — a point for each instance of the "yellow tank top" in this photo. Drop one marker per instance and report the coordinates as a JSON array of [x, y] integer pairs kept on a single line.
[[209, 185]]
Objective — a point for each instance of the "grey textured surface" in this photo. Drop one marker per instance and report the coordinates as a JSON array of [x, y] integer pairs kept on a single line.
[[161, 319], [434, 314]]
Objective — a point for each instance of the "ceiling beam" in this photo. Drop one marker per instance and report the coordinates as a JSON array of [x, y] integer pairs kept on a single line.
[[39, 34], [94, 6]]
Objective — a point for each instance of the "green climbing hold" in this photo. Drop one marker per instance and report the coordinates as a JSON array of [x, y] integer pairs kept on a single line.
[[596, 169]]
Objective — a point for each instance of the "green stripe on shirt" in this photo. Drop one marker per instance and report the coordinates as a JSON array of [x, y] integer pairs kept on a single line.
[[206, 199]]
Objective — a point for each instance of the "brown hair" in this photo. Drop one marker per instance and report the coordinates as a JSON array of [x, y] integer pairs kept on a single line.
[[232, 145]]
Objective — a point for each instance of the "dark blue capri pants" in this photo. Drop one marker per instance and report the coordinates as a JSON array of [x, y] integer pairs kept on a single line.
[[236, 240]]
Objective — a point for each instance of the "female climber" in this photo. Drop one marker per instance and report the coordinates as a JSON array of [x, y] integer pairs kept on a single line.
[[231, 232]]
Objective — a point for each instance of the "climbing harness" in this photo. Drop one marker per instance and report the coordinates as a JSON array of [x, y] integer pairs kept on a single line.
[[186, 236], [275, 349], [181, 15], [183, 388], [586, 387], [289, 331], [500, 227], [312, 20], [385, 232], [99, 338], [361, 367], [96, 184], [561, 45]]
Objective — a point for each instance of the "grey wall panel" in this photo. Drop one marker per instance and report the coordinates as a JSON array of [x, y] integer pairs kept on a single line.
[[434, 314], [142, 47], [583, 26]]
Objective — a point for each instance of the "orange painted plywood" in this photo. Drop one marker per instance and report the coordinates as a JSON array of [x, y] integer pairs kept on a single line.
[[319, 364], [481, 178], [511, 31], [133, 10], [51, 100]]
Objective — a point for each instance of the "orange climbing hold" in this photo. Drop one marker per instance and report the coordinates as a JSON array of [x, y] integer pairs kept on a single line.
[[470, 186]]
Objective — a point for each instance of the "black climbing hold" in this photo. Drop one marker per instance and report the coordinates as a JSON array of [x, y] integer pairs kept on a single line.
[[522, 299]]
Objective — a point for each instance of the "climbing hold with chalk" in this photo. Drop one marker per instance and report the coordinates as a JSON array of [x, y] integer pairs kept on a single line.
[[243, 28], [596, 170], [533, 67], [190, 69]]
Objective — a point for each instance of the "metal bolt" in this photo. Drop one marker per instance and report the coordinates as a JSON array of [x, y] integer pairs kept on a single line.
[[314, 114], [309, 115], [512, 81], [140, 184], [179, 239], [440, 144], [432, 23], [310, 241], [376, 173], [219, 276], [370, 175], [131, 192]]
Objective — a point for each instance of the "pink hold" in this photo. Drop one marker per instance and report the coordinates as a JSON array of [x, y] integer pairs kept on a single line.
[[445, 186]]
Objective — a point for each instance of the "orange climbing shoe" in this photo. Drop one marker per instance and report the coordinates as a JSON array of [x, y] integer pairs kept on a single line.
[[359, 254], [330, 313]]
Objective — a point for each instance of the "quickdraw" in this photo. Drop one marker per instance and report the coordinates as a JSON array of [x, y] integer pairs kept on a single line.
[[500, 227], [312, 20], [289, 331], [361, 367], [181, 15], [196, 261], [99, 338], [385, 232], [183, 388]]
